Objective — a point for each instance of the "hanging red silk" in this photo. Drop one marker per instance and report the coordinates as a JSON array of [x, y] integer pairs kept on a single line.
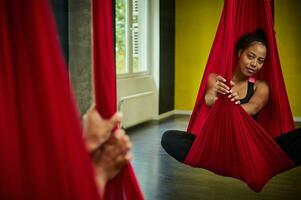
[[124, 186], [42, 154]]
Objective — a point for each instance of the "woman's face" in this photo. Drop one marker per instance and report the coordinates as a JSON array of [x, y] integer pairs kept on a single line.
[[252, 58]]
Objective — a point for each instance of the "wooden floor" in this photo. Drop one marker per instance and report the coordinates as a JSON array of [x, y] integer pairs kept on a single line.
[[163, 178]]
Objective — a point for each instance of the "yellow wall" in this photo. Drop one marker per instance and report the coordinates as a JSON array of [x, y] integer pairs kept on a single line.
[[288, 35], [196, 24]]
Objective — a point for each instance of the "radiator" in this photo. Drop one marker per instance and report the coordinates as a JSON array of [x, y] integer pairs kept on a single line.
[[136, 108]]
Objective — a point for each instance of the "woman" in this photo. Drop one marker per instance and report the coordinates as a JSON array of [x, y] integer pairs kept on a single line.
[[251, 94]]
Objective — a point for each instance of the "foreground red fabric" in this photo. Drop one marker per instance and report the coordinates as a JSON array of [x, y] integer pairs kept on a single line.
[[229, 142], [42, 154], [125, 185]]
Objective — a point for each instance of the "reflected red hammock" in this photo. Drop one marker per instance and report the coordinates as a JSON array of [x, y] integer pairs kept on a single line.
[[41, 149], [229, 142], [125, 185]]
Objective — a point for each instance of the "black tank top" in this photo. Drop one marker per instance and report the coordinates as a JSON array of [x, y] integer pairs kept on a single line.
[[250, 92]]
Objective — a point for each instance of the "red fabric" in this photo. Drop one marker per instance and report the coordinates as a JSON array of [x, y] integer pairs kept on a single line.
[[42, 154], [125, 185], [229, 141]]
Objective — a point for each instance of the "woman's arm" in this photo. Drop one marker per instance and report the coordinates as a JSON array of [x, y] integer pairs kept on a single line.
[[110, 158], [259, 98], [109, 149]]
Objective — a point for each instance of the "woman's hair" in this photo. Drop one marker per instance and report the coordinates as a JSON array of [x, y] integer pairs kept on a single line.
[[248, 39]]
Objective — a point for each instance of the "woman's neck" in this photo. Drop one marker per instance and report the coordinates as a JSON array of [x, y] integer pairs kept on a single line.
[[238, 76]]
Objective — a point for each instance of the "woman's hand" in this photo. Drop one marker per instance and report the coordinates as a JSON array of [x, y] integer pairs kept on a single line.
[[111, 157], [233, 96], [96, 129], [220, 85], [109, 150], [216, 84]]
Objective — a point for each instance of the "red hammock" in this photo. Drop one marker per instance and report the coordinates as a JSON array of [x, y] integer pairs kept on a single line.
[[124, 186], [42, 154], [229, 142], [41, 149]]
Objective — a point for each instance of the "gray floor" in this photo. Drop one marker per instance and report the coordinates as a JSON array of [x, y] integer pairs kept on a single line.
[[163, 178]]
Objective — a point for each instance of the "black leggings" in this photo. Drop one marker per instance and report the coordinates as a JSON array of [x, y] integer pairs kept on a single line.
[[177, 144]]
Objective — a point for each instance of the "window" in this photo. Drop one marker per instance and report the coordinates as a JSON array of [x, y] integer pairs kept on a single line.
[[131, 36]]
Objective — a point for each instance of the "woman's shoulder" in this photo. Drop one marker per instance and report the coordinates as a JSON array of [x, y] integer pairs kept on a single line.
[[261, 85]]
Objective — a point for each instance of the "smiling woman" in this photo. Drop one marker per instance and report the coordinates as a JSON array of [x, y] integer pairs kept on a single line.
[[251, 50], [230, 142]]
